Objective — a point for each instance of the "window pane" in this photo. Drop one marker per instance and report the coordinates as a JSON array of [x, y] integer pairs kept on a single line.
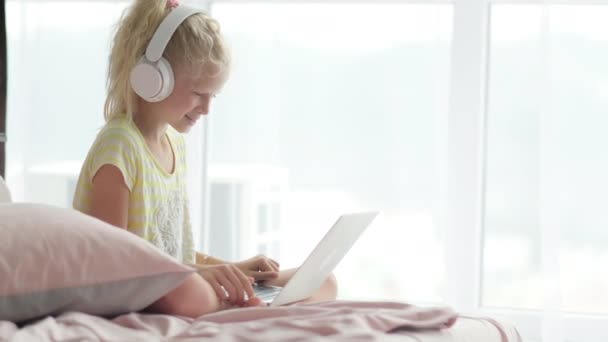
[[334, 108], [546, 165], [57, 61]]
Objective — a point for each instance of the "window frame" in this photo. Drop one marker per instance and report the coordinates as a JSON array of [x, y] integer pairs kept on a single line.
[[3, 88]]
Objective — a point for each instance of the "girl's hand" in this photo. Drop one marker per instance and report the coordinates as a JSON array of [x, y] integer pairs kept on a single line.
[[259, 267], [229, 283], [255, 301]]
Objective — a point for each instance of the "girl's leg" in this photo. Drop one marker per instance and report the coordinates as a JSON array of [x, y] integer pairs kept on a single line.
[[328, 291], [193, 298]]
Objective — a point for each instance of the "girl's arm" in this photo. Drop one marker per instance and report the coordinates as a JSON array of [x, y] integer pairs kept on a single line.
[[195, 296], [110, 197], [204, 259]]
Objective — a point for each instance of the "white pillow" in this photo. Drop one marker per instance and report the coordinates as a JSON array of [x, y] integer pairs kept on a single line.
[[54, 260]]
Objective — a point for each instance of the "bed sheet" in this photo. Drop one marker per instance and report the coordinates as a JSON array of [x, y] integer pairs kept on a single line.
[[328, 321]]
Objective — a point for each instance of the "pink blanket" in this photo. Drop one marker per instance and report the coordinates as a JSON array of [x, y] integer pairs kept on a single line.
[[329, 321]]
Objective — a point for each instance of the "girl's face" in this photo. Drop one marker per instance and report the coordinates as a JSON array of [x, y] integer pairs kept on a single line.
[[191, 98]]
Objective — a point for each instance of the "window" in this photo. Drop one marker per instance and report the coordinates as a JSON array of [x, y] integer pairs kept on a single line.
[[323, 117], [56, 91], [546, 165]]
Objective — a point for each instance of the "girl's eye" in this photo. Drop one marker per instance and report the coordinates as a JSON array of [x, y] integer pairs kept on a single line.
[[203, 94]]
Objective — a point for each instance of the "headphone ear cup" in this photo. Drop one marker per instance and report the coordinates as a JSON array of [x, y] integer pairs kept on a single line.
[[168, 79], [146, 79]]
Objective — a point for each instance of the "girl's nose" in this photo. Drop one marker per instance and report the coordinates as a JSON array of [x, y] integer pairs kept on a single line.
[[203, 107], [203, 110]]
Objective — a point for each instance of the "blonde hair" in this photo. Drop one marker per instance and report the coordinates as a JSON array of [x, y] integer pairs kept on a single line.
[[197, 46]]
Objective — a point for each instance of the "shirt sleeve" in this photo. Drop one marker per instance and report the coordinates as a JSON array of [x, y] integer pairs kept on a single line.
[[116, 147]]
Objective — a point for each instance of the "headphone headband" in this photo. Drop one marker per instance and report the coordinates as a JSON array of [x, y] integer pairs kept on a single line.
[[152, 77], [165, 30]]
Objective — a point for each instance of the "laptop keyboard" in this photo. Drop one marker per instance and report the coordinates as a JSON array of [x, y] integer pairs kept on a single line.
[[266, 293]]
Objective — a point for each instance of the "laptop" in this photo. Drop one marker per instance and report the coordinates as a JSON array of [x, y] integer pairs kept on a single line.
[[320, 263]]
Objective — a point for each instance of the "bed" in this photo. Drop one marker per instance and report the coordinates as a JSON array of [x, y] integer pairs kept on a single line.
[[327, 321]]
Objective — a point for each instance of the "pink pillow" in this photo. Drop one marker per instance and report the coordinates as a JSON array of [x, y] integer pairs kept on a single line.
[[54, 260]]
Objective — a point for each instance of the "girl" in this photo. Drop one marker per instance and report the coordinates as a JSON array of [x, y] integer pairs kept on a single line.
[[134, 176]]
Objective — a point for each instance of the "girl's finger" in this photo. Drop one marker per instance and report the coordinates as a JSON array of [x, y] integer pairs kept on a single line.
[[276, 264], [266, 266], [227, 283], [246, 282], [233, 276], [217, 287], [255, 301], [261, 276]]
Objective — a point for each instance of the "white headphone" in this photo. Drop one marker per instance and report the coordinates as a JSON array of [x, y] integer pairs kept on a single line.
[[152, 77]]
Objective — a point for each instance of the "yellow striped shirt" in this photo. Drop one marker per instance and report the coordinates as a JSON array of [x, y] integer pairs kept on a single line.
[[158, 203]]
